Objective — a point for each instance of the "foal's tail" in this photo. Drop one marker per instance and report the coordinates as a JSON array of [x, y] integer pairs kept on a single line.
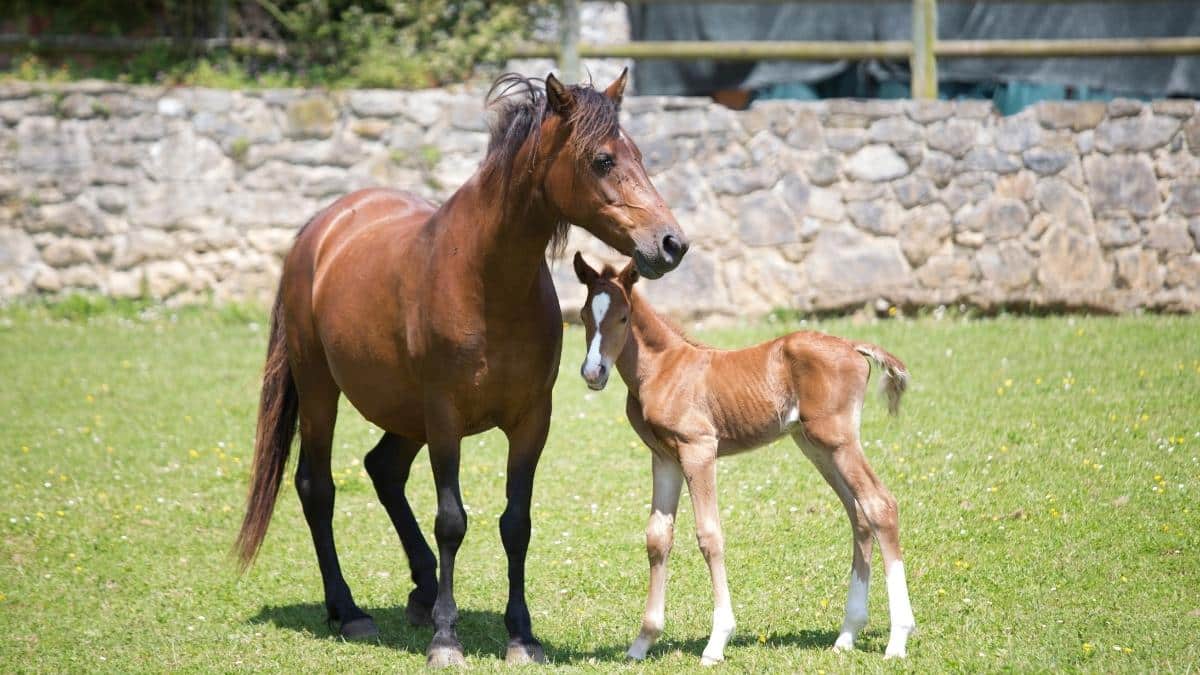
[[277, 412], [895, 374]]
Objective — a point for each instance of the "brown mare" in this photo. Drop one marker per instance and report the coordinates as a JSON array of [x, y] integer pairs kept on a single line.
[[439, 323], [690, 404]]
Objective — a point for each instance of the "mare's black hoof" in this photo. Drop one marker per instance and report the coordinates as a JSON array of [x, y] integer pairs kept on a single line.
[[445, 652], [360, 629], [418, 614], [520, 653]]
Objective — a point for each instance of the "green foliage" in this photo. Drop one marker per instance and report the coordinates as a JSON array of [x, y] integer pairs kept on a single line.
[[239, 149], [334, 43], [1045, 470]]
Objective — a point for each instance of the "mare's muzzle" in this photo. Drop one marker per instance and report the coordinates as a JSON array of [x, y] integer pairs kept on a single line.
[[666, 256]]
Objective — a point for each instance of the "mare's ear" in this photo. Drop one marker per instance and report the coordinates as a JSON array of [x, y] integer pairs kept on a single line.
[[616, 90], [583, 271], [628, 276], [558, 97]]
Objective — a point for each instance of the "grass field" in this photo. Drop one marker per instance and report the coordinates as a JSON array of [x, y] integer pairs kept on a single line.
[[1047, 472]]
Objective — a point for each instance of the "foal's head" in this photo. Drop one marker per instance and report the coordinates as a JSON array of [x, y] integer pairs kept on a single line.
[[585, 169], [605, 317]]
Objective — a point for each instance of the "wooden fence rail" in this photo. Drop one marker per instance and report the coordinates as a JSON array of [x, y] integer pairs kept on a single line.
[[922, 50]]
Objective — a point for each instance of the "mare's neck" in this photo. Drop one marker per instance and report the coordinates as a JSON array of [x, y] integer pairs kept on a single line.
[[650, 339], [503, 236]]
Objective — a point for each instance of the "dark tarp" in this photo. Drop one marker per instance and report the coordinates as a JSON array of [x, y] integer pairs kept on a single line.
[[1144, 76]]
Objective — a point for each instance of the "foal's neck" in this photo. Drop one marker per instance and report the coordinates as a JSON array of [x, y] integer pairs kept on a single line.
[[650, 339]]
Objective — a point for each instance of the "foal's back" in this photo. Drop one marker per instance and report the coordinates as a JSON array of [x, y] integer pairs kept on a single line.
[[757, 394]]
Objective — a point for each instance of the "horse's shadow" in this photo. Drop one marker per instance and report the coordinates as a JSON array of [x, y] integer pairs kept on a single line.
[[483, 635]]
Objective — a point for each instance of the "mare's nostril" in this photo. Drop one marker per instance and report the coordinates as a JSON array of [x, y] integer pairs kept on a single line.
[[603, 371], [673, 249]]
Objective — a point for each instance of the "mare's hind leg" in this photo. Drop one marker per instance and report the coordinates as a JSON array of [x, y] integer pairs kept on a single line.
[[860, 566], [388, 464], [314, 483], [879, 507]]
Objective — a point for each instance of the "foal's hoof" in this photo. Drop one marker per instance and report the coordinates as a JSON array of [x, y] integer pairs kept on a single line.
[[360, 629], [708, 661], [445, 653], [521, 653], [418, 614]]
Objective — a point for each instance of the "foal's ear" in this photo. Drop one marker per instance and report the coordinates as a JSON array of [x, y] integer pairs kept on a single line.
[[628, 276], [558, 97], [616, 90], [583, 271]]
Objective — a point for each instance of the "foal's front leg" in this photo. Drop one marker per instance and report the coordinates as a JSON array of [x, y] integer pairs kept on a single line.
[[660, 535], [701, 473]]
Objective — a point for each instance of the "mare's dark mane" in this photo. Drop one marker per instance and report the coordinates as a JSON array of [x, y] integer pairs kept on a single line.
[[521, 107]]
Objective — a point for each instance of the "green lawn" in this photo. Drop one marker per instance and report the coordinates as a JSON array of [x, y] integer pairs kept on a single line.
[[1047, 472]]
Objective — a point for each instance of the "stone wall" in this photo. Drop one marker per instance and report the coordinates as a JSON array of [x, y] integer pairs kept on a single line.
[[187, 194]]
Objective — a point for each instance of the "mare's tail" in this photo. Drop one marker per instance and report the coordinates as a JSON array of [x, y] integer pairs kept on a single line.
[[895, 374], [277, 412]]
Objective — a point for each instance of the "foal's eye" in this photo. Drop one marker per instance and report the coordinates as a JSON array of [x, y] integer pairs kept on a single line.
[[603, 163], [624, 319]]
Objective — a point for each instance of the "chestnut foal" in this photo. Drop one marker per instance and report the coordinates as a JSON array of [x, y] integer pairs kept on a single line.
[[690, 404]]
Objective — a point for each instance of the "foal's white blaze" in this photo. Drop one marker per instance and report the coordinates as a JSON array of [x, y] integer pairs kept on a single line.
[[600, 303], [856, 612], [903, 623]]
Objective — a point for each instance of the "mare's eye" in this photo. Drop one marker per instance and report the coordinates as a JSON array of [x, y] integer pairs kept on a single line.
[[603, 163], [624, 319]]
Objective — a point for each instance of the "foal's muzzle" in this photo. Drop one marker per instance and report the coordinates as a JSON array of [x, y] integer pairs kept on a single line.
[[596, 376]]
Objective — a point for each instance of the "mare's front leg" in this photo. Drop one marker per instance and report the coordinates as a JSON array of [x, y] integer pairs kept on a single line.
[[525, 442], [450, 526], [700, 470], [660, 535]]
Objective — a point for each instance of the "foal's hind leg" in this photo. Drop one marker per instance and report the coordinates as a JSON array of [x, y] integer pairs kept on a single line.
[[879, 507], [860, 566], [388, 464], [314, 483]]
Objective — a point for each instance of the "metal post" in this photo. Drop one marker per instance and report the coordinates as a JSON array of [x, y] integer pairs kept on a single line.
[[568, 54], [923, 63]]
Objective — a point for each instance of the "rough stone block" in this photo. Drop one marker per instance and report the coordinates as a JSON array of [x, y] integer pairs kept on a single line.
[[923, 231], [1048, 161], [67, 252], [953, 137], [853, 268], [1135, 134], [1007, 265], [876, 163], [913, 191], [1122, 183], [1185, 197], [1071, 262], [1170, 236], [1074, 115], [1139, 270]]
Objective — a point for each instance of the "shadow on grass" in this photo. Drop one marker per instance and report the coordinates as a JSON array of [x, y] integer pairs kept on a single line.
[[804, 639], [484, 636]]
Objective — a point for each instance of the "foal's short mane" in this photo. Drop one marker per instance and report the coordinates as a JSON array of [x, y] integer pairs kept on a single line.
[[609, 272], [521, 107]]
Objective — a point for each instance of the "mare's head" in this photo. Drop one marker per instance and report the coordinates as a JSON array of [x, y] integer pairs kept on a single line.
[[605, 317], [584, 169]]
